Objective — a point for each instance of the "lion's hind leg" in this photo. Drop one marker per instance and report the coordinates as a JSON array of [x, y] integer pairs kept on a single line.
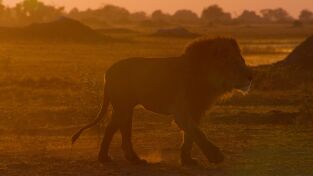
[[110, 130], [126, 116]]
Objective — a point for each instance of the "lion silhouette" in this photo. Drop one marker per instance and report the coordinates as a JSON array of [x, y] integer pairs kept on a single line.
[[184, 86]]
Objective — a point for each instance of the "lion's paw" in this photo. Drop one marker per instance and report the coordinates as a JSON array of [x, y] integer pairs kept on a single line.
[[189, 162], [105, 159]]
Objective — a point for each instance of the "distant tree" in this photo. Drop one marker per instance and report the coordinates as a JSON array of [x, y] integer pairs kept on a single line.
[[215, 14], [306, 16], [35, 11], [112, 14], [2, 7], [158, 15], [102, 17], [185, 16], [2, 12], [248, 17], [138, 16], [73, 12], [278, 15], [297, 23]]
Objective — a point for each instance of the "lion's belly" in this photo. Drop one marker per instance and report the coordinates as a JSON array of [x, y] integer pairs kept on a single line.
[[158, 102], [157, 108]]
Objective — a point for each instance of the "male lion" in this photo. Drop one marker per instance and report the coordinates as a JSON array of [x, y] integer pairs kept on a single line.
[[183, 86]]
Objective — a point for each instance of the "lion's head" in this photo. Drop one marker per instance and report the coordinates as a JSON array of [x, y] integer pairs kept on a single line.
[[219, 62]]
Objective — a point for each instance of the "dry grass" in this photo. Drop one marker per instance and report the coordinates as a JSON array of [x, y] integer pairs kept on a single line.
[[49, 89]]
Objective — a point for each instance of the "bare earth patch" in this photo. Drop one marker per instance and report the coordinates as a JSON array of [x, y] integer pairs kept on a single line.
[[249, 150]]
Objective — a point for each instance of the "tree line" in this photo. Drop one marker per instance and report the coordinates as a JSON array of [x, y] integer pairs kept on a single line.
[[30, 11]]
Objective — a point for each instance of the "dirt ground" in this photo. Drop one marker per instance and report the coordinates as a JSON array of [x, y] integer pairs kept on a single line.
[[254, 149]]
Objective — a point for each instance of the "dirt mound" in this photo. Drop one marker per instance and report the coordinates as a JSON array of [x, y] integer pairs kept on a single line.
[[294, 72], [282, 77], [153, 24], [301, 57], [175, 32], [117, 31], [64, 29]]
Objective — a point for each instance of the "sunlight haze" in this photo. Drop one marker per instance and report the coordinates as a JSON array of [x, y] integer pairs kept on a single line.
[[234, 6]]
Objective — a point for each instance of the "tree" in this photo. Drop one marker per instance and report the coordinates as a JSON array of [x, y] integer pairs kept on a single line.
[[306, 16], [2, 7], [138, 16], [112, 14], [215, 14], [158, 15], [35, 11], [185, 16], [249, 17], [106, 15], [278, 15], [73, 12], [2, 12]]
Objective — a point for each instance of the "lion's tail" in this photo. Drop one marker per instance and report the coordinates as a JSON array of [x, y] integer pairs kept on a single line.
[[100, 116]]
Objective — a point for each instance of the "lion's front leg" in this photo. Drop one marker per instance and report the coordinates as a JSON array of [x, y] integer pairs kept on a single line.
[[185, 154], [212, 153], [186, 148]]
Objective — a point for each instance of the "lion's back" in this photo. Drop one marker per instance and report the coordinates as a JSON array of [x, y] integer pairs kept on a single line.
[[143, 69], [144, 79]]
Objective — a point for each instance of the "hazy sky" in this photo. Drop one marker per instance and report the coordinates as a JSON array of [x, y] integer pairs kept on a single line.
[[233, 6]]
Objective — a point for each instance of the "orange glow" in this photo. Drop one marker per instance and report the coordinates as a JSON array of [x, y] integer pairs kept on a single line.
[[234, 6]]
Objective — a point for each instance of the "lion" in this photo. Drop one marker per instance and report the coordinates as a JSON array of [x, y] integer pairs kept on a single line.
[[184, 86]]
